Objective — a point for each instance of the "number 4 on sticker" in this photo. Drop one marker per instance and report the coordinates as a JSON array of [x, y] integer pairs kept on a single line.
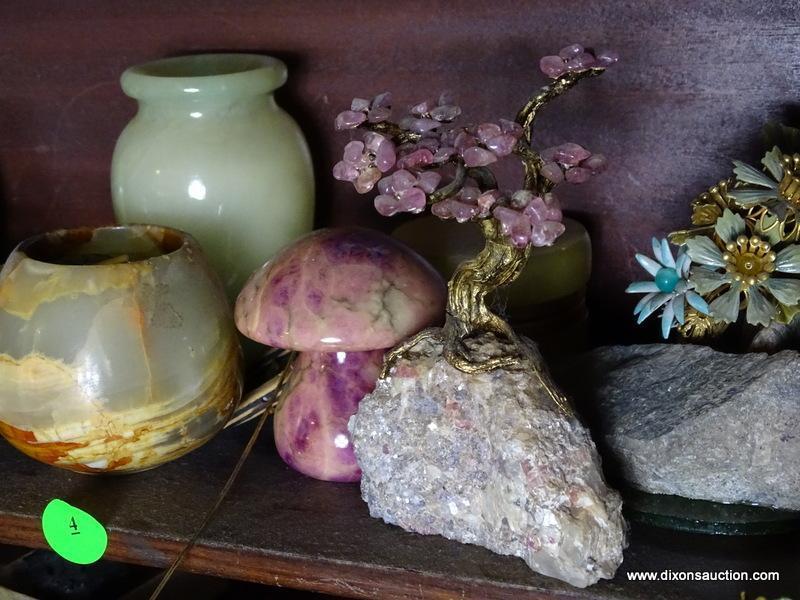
[[72, 533]]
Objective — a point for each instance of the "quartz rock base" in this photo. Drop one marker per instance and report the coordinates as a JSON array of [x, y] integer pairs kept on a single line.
[[487, 459], [694, 422]]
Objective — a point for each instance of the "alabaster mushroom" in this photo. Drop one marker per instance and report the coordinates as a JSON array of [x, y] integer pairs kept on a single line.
[[341, 297]]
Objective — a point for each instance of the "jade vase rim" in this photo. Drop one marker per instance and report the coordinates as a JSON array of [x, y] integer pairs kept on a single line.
[[200, 75]]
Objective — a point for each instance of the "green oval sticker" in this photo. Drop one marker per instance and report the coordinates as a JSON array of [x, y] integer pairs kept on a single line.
[[72, 533]]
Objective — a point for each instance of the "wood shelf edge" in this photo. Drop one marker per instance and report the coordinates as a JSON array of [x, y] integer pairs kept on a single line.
[[323, 575]]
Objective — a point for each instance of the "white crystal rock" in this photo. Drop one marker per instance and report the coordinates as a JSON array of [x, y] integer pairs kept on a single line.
[[488, 459]]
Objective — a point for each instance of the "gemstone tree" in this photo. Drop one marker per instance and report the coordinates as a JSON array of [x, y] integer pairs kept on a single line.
[[424, 160]]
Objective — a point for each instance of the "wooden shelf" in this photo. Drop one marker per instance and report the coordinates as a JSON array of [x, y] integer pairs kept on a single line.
[[280, 528]]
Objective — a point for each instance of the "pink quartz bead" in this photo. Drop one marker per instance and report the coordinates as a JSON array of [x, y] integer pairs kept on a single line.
[[606, 58], [349, 119], [359, 105], [552, 172], [422, 108], [578, 175], [406, 201], [442, 154], [463, 141], [428, 181], [546, 233], [580, 62], [511, 127], [596, 163], [366, 179], [478, 157], [379, 114], [453, 209], [445, 113], [552, 66], [422, 125], [567, 154], [502, 145], [487, 200], [543, 209], [345, 171], [514, 225], [383, 100], [487, 131], [383, 149], [415, 160], [571, 51]]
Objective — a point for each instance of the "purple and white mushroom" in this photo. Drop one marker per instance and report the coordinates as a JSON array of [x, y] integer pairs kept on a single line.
[[341, 297]]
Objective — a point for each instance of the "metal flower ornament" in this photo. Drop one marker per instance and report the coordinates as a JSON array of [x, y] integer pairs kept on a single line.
[[740, 261], [426, 160], [670, 287]]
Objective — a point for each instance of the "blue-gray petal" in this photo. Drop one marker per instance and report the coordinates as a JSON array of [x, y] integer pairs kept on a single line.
[[643, 302], [759, 310], [729, 226], [726, 307], [697, 302], [704, 251], [786, 291], [667, 318], [788, 259], [666, 254], [654, 304], [649, 264], [706, 281], [679, 306], [657, 249], [639, 287]]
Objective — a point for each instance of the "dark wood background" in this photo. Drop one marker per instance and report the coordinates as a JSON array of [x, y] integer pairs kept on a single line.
[[696, 82]]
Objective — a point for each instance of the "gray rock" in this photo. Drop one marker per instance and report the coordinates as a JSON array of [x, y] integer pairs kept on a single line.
[[690, 421], [487, 459]]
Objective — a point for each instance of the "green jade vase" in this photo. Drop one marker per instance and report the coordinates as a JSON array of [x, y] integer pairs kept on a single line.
[[210, 152]]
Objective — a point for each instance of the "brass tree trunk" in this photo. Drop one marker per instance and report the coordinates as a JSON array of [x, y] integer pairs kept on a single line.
[[468, 315]]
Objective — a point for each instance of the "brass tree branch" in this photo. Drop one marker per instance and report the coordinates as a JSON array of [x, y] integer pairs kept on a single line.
[[484, 177], [526, 118], [392, 130], [527, 115], [451, 188]]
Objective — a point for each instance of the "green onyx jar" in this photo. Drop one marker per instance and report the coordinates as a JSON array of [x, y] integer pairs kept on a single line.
[[210, 152], [117, 350]]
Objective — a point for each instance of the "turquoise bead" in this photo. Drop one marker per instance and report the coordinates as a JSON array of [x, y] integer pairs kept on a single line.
[[667, 279]]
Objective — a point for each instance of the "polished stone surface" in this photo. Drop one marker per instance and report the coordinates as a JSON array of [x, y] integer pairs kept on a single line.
[[117, 351], [322, 393], [341, 289], [488, 459], [211, 152]]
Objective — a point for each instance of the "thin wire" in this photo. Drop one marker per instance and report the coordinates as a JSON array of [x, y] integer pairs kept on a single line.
[[228, 484]]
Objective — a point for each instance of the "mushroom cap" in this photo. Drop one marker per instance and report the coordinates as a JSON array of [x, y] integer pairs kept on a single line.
[[341, 290]]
